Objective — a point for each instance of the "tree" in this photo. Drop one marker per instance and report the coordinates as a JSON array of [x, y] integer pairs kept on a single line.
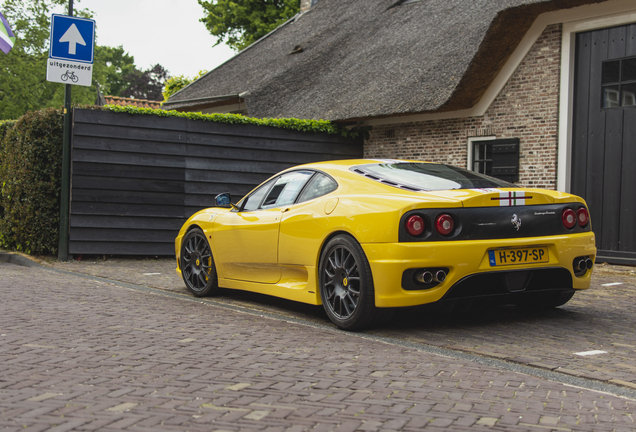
[[111, 65], [242, 22], [23, 71], [147, 84], [176, 83]]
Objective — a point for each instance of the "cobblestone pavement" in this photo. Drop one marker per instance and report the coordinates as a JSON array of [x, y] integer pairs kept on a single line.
[[602, 318], [82, 354], [599, 319]]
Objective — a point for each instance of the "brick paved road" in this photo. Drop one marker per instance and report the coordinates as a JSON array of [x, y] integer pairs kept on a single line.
[[601, 318], [79, 354]]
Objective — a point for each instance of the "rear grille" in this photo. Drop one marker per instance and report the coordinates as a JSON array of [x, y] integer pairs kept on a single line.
[[504, 283]]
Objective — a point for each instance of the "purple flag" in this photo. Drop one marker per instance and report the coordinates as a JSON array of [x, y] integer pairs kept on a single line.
[[7, 38]]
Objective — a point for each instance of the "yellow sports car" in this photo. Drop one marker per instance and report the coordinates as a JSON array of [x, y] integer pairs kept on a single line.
[[362, 237]]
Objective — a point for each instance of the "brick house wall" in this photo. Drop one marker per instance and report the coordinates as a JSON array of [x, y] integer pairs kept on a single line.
[[526, 108]]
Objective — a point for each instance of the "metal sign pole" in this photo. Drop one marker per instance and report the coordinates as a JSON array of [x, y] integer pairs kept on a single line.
[[62, 253]]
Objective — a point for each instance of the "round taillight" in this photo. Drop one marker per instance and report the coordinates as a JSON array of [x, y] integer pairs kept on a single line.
[[415, 225], [444, 224], [569, 218], [583, 216]]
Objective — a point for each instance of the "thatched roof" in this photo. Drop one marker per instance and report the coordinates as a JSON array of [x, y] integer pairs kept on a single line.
[[352, 59]]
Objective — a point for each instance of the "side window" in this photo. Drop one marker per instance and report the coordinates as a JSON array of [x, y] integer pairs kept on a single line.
[[254, 200], [318, 186], [286, 189]]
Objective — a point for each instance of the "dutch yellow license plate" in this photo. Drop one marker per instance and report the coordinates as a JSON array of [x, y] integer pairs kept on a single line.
[[502, 257]]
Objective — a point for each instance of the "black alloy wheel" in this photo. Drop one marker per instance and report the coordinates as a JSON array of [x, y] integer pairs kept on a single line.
[[346, 284], [342, 282], [197, 264]]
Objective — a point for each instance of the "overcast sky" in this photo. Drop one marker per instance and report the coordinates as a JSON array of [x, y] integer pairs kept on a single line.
[[167, 32]]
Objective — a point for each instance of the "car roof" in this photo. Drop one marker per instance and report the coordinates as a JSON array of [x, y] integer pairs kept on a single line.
[[348, 178], [347, 164]]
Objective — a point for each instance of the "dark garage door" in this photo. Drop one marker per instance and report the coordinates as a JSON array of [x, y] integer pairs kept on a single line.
[[604, 137]]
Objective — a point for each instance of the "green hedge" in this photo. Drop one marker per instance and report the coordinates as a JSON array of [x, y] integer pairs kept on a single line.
[[318, 126], [5, 126], [30, 170]]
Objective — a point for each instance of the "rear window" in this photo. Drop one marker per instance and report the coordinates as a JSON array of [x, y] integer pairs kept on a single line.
[[428, 176]]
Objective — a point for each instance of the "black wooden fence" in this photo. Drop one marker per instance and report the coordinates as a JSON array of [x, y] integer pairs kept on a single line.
[[137, 178]]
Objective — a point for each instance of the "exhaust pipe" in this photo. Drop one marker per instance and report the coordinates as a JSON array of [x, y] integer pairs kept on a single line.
[[440, 276], [589, 263], [580, 265], [425, 277]]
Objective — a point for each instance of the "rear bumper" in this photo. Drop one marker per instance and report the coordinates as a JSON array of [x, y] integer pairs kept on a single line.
[[469, 266]]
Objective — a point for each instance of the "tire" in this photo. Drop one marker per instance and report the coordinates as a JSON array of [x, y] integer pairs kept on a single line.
[[346, 285], [197, 264], [559, 299]]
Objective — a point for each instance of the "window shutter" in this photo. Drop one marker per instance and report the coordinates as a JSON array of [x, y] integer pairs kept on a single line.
[[505, 159]]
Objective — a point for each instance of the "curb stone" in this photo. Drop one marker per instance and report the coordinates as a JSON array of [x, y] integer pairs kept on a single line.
[[19, 260]]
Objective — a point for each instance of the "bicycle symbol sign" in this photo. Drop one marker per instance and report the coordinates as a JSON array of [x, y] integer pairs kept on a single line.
[[69, 75]]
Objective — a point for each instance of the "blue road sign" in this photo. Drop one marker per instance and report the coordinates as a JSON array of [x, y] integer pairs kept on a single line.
[[72, 38]]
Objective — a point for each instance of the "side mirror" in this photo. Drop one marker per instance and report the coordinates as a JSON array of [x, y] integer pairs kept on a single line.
[[224, 200]]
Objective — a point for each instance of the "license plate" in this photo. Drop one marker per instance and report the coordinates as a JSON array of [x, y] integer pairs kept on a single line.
[[502, 257]]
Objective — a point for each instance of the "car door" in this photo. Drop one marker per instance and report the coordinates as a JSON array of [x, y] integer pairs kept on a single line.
[[303, 225], [246, 240]]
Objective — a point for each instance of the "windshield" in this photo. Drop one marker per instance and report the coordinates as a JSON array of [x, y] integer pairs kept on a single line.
[[429, 176]]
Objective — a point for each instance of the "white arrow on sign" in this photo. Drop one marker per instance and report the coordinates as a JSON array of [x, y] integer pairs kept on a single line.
[[73, 37]]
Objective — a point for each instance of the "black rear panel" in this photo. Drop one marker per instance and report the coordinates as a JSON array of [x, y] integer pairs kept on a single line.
[[509, 282], [482, 223]]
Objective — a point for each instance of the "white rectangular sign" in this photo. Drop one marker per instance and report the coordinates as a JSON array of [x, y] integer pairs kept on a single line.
[[69, 72]]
